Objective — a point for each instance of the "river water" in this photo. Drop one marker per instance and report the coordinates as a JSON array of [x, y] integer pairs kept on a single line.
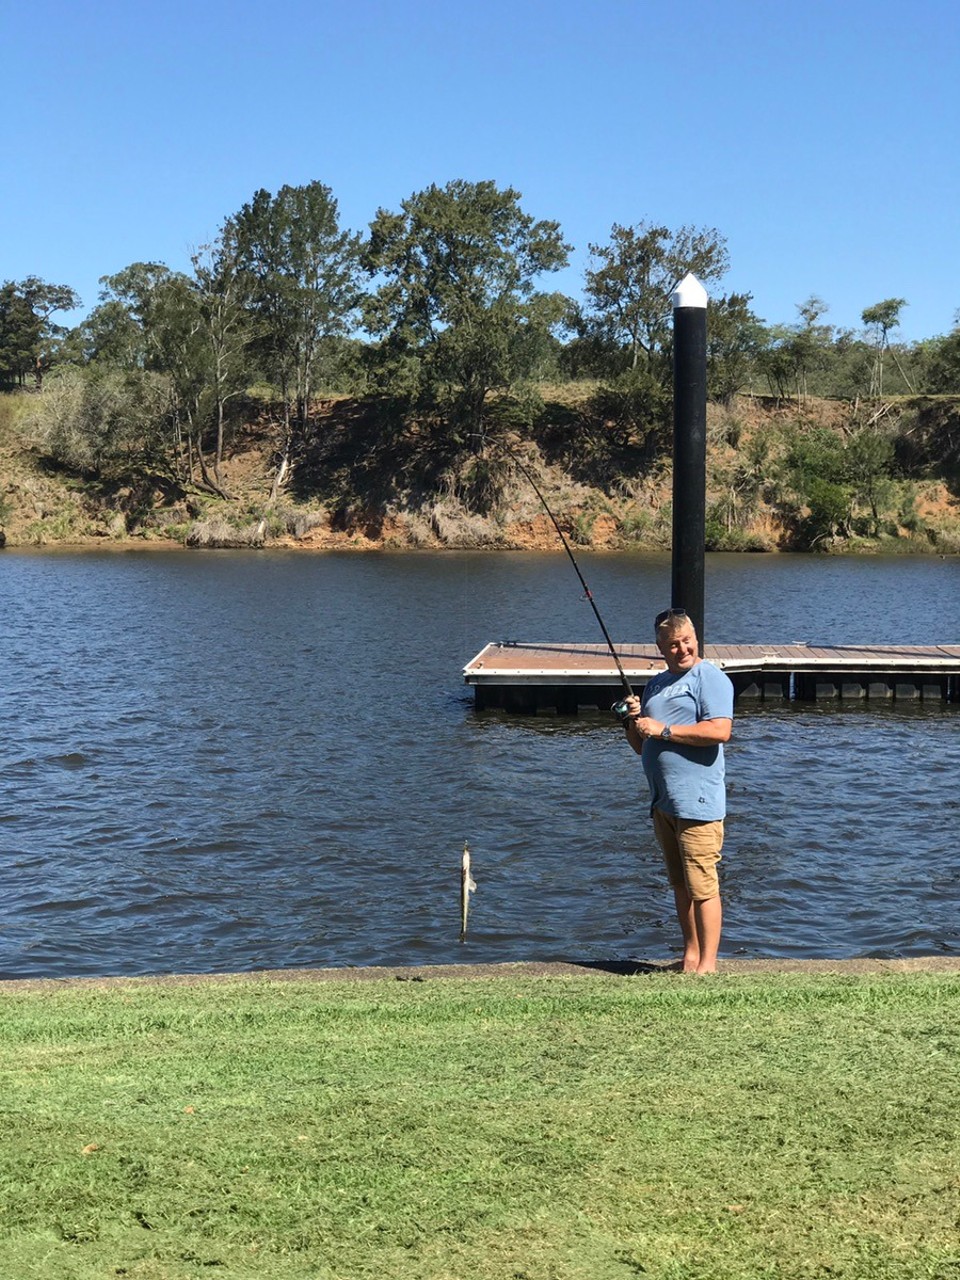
[[236, 761]]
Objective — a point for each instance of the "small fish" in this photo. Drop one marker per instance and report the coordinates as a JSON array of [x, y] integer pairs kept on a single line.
[[467, 886]]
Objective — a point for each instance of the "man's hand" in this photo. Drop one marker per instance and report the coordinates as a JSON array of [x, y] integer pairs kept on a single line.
[[647, 727], [638, 726]]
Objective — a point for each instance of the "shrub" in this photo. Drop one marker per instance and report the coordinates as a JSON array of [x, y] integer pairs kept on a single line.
[[101, 422], [635, 525], [829, 505], [217, 531], [481, 484]]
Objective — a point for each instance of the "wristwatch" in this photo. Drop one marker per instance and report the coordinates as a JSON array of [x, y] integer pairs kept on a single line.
[[665, 733]]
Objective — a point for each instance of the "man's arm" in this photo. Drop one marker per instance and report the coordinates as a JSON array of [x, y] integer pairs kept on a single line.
[[705, 733]]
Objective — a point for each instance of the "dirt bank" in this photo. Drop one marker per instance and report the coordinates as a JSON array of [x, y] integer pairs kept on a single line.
[[353, 485]]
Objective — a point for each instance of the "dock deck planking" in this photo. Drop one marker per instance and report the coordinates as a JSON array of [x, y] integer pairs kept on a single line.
[[562, 672]]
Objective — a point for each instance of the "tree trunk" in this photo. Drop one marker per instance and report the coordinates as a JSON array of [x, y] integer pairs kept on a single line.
[[281, 475], [896, 360], [218, 458], [212, 484]]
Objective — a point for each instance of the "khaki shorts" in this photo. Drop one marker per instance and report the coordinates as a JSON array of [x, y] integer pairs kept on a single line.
[[691, 851]]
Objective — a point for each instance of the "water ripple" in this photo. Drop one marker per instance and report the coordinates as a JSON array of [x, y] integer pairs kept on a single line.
[[216, 763]]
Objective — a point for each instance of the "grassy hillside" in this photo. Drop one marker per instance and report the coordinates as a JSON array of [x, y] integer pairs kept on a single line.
[[824, 475]]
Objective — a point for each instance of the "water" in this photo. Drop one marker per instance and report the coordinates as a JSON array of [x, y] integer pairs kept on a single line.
[[232, 761]]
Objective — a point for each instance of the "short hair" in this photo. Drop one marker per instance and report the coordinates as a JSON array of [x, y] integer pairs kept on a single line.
[[671, 620]]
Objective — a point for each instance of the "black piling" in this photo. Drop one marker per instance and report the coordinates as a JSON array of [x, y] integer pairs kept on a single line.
[[689, 449]]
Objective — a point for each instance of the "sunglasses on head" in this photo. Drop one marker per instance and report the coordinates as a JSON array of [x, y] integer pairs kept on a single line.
[[661, 618]]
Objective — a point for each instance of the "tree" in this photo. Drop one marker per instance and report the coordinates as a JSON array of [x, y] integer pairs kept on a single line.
[[793, 352], [112, 335], [19, 335], [881, 318], [869, 459], [29, 340], [148, 321], [813, 470], [811, 342], [735, 338], [943, 362], [457, 309], [221, 289], [628, 291], [303, 287]]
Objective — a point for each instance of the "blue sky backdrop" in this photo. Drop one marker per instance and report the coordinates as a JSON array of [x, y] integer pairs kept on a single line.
[[821, 139]]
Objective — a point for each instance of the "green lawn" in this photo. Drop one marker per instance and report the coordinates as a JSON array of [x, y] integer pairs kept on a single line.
[[585, 1128]]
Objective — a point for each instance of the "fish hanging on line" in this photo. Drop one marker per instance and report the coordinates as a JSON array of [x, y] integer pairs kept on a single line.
[[467, 886]]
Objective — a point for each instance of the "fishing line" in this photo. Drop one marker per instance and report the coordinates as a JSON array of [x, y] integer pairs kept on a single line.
[[619, 708], [467, 883]]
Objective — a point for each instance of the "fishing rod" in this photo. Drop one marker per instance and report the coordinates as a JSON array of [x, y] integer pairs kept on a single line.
[[619, 708]]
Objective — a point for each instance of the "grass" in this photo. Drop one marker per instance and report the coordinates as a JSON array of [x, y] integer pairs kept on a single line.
[[530, 1129]]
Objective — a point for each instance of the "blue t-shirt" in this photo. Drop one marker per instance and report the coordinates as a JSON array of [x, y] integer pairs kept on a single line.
[[687, 782]]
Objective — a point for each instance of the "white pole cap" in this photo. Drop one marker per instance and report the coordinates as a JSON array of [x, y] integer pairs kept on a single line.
[[689, 293]]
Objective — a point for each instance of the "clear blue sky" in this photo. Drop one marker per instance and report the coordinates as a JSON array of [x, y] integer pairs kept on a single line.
[[821, 139]]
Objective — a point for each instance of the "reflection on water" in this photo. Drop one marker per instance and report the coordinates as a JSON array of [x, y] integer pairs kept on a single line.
[[226, 762]]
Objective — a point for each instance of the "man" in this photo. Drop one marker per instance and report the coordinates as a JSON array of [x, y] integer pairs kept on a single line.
[[678, 730]]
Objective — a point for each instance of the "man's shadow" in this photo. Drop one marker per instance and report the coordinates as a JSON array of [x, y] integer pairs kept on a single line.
[[633, 968]]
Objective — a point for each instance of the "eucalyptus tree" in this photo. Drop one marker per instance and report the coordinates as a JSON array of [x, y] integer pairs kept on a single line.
[[794, 352], [628, 310], [111, 335], [149, 320], [303, 272], [735, 339], [221, 293], [29, 338], [812, 342], [456, 309], [880, 319]]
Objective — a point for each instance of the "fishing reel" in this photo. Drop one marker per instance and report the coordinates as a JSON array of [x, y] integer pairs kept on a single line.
[[621, 711]]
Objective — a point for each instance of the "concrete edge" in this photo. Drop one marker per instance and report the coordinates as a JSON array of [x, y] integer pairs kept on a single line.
[[943, 965]]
